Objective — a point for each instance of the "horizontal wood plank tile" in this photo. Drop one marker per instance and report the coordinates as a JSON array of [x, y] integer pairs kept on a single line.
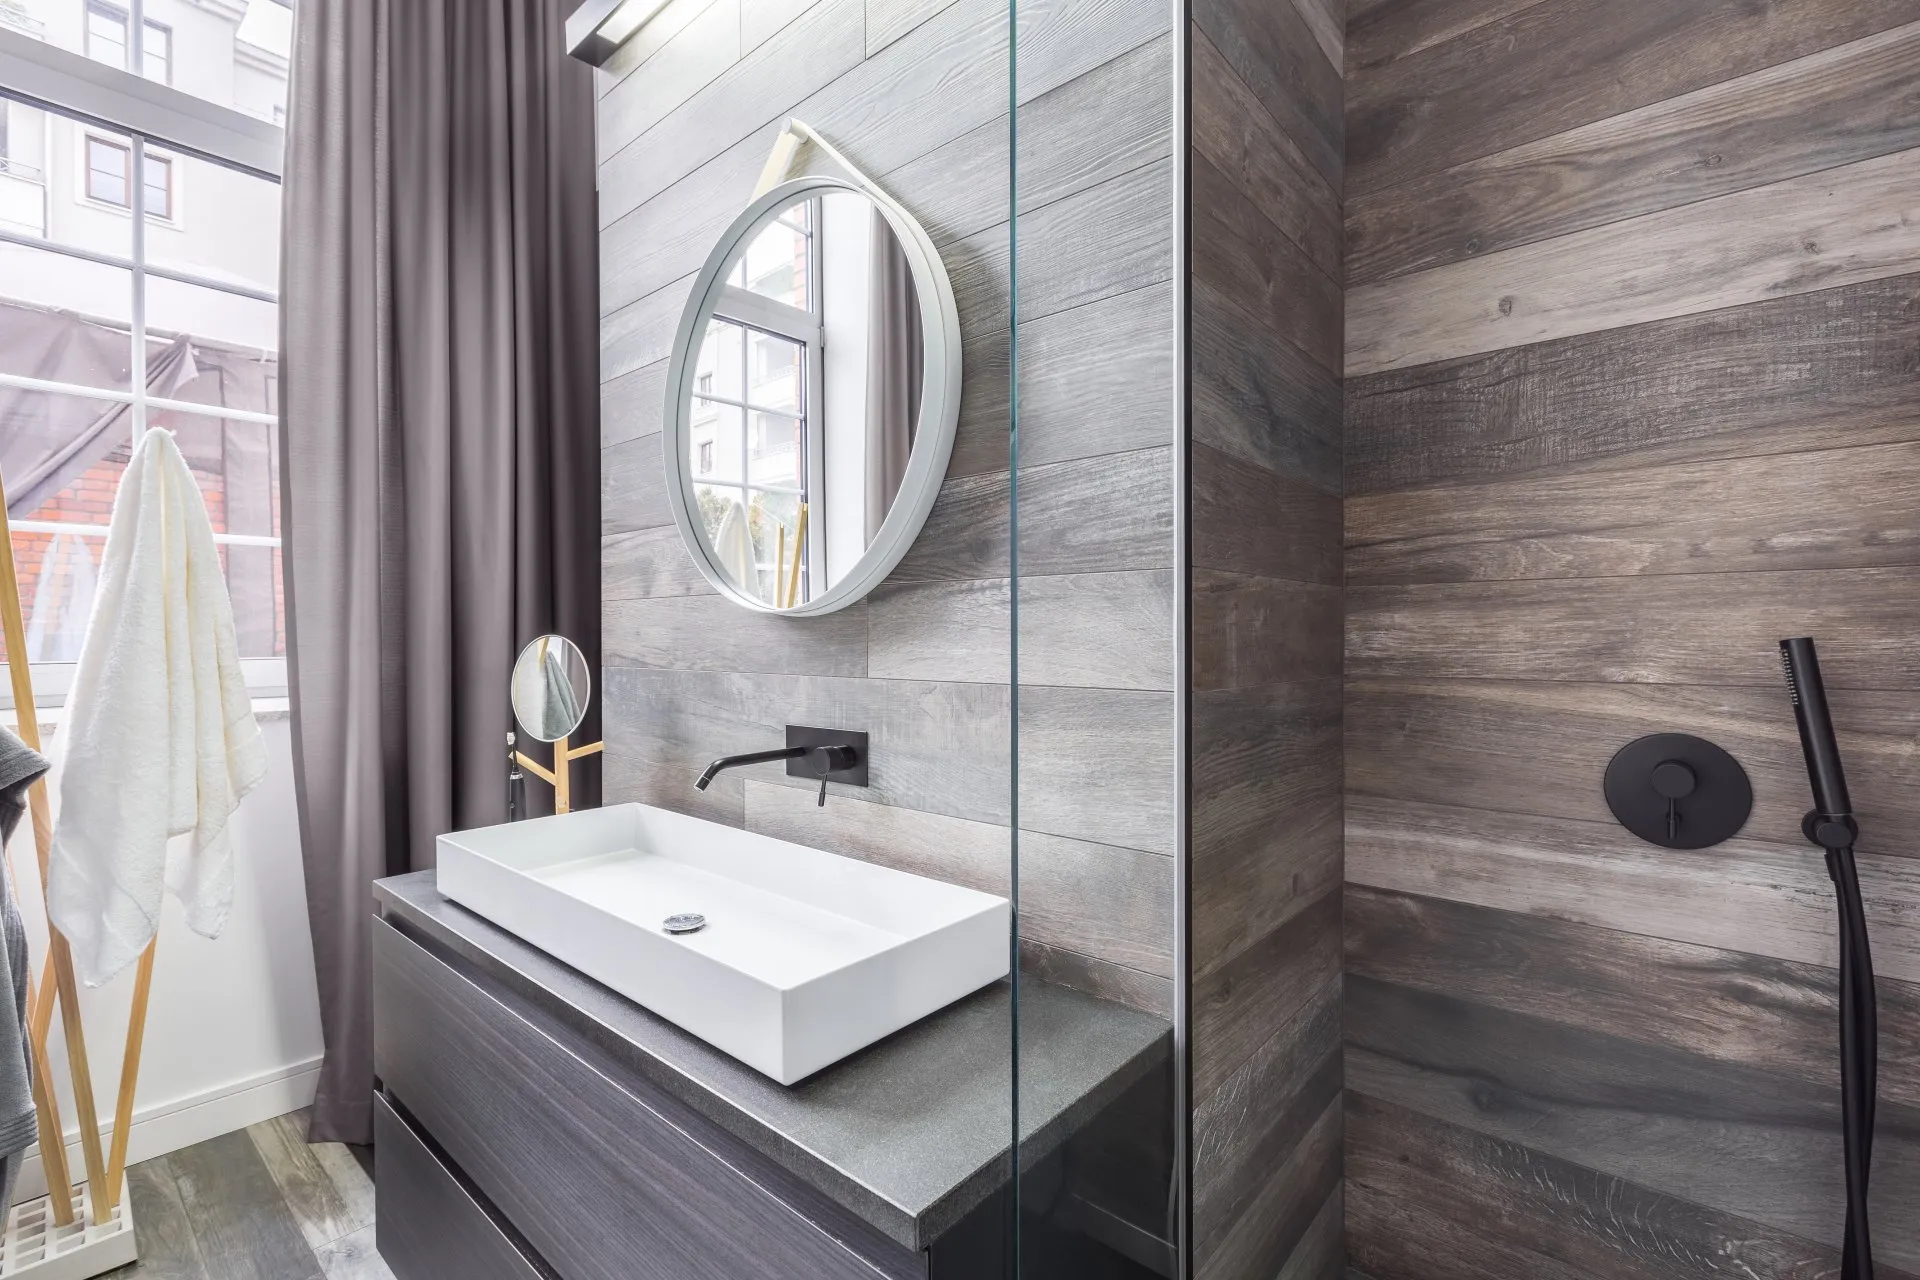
[[1824, 230], [1096, 379], [1272, 49], [699, 52], [1731, 1006], [1546, 68], [1821, 509], [1701, 629], [1744, 895], [1556, 1217], [645, 563], [1258, 397], [1723, 1136], [936, 747], [1818, 370], [754, 91], [1828, 109], [1266, 811], [1245, 1127], [1263, 1238], [1232, 129], [1380, 32], [1240, 1003], [1243, 256], [1250, 631], [1097, 765], [1541, 747], [710, 632], [1131, 987], [1249, 518]]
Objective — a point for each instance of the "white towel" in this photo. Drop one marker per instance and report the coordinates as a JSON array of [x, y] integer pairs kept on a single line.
[[159, 738], [733, 544]]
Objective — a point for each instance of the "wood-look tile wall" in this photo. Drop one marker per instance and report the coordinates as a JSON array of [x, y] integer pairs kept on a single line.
[[1265, 596], [916, 93], [1633, 392]]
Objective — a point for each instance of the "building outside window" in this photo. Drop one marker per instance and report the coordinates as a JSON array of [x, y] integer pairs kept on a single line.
[[107, 41], [157, 53], [107, 34], [117, 320]]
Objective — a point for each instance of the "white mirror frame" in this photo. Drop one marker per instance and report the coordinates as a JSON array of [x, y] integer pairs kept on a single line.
[[938, 422]]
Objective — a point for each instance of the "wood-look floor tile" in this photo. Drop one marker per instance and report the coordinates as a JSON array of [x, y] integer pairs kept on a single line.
[[323, 1185], [165, 1235], [353, 1257], [242, 1224]]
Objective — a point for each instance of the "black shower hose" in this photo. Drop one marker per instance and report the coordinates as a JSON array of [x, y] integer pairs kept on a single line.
[[1859, 1056]]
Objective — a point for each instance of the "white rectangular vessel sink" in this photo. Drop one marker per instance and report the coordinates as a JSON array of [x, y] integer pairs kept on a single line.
[[804, 956]]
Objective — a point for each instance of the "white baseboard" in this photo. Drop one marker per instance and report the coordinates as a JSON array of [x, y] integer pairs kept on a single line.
[[181, 1122]]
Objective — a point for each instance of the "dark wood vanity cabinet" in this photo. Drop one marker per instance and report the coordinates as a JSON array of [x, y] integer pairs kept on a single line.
[[534, 1125], [520, 1150]]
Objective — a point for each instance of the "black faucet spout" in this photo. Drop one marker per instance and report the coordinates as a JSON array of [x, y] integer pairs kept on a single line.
[[752, 757]]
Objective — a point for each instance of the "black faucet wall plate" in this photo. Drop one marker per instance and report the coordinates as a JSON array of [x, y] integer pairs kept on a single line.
[[804, 736], [1678, 791]]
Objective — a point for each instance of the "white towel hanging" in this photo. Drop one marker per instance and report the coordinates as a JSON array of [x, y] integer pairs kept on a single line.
[[159, 738]]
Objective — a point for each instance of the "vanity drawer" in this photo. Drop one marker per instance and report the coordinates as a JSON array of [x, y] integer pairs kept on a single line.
[[601, 1182], [426, 1225]]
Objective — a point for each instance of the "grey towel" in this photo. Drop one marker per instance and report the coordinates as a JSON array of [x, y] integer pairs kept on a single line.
[[19, 766]]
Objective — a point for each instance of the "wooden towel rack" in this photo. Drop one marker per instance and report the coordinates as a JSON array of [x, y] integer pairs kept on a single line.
[[106, 1172]]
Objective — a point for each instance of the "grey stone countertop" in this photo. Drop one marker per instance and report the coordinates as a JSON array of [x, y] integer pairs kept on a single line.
[[910, 1133]]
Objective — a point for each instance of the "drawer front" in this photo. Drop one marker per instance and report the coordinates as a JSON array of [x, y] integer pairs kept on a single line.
[[426, 1225], [600, 1182]]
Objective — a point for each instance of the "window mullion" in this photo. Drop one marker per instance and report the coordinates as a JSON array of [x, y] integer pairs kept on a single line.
[[137, 200]]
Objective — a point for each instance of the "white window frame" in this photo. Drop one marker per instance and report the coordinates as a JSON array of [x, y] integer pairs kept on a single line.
[[755, 311], [145, 112]]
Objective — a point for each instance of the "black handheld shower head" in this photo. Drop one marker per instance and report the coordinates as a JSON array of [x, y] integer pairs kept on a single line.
[[1831, 824]]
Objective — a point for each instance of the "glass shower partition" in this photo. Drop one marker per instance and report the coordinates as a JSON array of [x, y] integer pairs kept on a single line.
[[1095, 668]]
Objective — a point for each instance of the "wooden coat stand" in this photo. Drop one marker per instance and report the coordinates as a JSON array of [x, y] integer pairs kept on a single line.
[[105, 1173]]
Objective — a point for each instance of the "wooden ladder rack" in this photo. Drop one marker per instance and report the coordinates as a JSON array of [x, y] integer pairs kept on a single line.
[[105, 1171]]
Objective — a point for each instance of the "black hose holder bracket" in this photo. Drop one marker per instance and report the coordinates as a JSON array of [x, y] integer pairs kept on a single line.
[[1678, 791]]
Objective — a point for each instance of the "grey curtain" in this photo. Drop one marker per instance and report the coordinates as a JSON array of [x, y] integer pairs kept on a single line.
[[895, 365], [439, 404]]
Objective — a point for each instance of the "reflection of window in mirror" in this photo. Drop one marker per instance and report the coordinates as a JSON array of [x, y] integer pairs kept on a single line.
[[756, 409]]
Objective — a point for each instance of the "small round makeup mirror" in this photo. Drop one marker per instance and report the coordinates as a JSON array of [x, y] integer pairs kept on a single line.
[[550, 688]]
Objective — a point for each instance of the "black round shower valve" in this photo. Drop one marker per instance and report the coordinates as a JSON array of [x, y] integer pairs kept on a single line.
[[1678, 791], [1674, 780]]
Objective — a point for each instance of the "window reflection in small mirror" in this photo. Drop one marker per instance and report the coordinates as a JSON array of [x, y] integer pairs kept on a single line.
[[805, 397]]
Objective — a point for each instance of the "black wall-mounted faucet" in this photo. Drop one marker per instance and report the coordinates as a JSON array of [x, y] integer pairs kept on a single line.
[[829, 755]]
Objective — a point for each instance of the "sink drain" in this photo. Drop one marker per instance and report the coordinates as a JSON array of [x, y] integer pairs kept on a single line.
[[684, 922]]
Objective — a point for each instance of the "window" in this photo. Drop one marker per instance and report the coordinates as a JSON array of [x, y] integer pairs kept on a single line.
[[756, 384], [107, 28], [109, 169], [156, 53], [118, 316], [159, 187], [107, 34], [108, 164]]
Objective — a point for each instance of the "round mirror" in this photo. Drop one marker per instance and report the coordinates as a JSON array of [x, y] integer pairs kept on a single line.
[[812, 398], [550, 688]]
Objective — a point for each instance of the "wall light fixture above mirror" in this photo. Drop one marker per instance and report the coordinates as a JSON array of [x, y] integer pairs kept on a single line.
[[813, 397], [599, 27]]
